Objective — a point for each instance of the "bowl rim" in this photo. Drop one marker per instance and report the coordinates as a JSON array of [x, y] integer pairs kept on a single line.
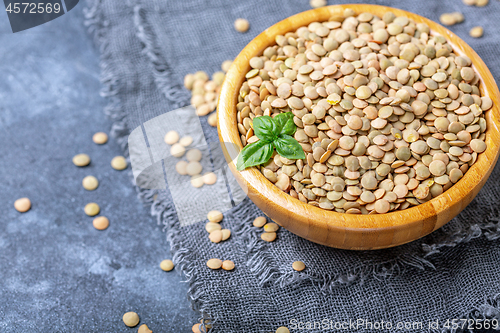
[[254, 179]]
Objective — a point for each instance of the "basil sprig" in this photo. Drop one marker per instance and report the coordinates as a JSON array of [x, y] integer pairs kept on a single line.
[[272, 133]]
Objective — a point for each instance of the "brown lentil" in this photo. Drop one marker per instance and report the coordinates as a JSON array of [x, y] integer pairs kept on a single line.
[[81, 160], [100, 138], [92, 209], [144, 329], [90, 183], [282, 329], [101, 223], [197, 181], [214, 263], [119, 163], [317, 3], [209, 178], [171, 137], [476, 32], [260, 221], [298, 266], [241, 25], [227, 265], [215, 236], [167, 265], [268, 236], [215, 216], [226, 233], [131, 319]]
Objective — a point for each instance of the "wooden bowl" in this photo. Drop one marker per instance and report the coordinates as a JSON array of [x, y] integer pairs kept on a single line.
[[346, 231]]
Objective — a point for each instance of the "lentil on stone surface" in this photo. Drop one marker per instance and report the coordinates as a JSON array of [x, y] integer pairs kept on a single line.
[[22, 205], [100, 138], [81, 160], [100, 223], [131, 319]]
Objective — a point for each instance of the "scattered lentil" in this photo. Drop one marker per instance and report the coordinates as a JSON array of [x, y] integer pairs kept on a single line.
[[271, 227], [215, 216], [197, 181], [177, 150], [181, 167], [241, 25], [214, 263], [226, 233], [196, 328], [186, 141], [92, 209], [282, 329], [268, 236], [215, 236], [212, 226], [171, 137], [167, 265], [119, 163], [22, 205], [212, 119], [131, 319], [193, 155], [317, 3], [194, 168], [144, 329], [100, 223], [260, 221], [451, 18], [100, 138], [90, 183], [227, 265], [81, 160]]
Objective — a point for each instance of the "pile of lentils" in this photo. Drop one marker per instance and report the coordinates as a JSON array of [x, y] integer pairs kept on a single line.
[[387, 114]]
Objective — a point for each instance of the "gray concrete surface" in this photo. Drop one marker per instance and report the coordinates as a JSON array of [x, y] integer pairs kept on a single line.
[[57, 273]]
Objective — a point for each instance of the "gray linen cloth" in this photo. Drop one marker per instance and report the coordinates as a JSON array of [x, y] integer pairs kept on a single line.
[[146, 49]]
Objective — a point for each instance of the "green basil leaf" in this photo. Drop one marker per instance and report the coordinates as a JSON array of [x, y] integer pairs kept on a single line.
[[265, 128], [284, 123], [254, 154], [288, 147]]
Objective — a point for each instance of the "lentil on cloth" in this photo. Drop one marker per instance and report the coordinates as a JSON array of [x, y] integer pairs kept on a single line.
[[144, 329], [119, 163], [90, 183], [100, 138], [167, 265], [388, 115], [92, 209]]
